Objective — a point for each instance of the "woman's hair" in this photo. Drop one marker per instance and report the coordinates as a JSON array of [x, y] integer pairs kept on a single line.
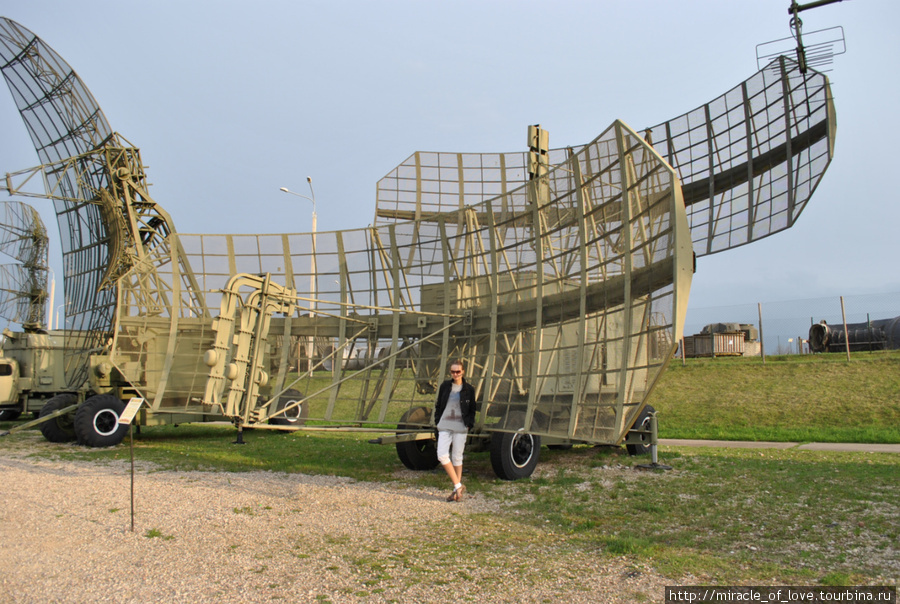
[[458, 362]]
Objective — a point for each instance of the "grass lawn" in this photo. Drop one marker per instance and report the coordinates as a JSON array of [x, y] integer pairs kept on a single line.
[[806, 398]]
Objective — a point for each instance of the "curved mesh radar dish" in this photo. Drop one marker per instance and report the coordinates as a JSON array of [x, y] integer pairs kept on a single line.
[[23, 295], [748, 161], [23, 287], [64, 123], [95, 179], [23, 235]]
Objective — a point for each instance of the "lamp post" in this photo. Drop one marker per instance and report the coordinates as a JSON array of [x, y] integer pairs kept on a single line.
[[312, 199], [57, 316], [50, 306], [312, 263]]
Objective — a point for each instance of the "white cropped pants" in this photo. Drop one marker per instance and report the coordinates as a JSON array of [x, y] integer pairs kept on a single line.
[[450, 447]]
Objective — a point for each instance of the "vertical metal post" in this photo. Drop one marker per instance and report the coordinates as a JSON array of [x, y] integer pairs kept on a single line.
[[50, 307], [495, 302], [131, 439], [762, 342], [846, 335], [869, 338], [797, 24], [654, 441], [627, 178], [583, 236], [313, 290], [538, 192]]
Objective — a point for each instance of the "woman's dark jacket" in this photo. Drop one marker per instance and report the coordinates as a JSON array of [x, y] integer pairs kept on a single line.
[[466, 402]]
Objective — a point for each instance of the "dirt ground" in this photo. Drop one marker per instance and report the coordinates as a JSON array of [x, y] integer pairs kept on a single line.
[[65, 536]]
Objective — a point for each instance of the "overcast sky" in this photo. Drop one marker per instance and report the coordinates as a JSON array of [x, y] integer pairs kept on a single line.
[[229, 101]]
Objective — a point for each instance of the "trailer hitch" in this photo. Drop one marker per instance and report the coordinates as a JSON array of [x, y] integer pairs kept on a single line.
[[40, 420]]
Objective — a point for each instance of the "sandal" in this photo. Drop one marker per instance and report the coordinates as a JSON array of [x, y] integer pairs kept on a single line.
[[452, 496]]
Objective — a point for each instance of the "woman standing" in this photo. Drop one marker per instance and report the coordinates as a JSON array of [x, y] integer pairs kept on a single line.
[[454, 415]]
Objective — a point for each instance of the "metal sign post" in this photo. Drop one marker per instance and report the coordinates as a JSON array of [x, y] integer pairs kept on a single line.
[[127, 417]]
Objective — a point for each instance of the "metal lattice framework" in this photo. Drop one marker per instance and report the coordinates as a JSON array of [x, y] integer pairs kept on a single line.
[[23, 287], [561, 339], [560, 276], [107, 222], [64, 121]]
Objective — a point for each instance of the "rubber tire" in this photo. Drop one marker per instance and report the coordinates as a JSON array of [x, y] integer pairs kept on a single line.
[[9, 415], [417, 455], [61, 429], [643, 423], [296, 416], [97, 421], [514, 455]]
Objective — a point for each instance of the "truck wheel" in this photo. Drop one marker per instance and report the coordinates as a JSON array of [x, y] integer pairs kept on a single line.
[[642, 423], [8, 415], [294, 417], [514, 455], [97, 421], [61, 429], [418, 455]]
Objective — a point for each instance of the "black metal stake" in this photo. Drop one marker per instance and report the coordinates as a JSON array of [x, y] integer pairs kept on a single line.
[[654, 441], [131, 439]]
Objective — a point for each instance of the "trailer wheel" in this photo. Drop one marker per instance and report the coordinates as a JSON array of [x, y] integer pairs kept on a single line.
[[642, 423], [514, 455], [8, 415], [418, 455], [293, 417], [97, 421], [62, 428]]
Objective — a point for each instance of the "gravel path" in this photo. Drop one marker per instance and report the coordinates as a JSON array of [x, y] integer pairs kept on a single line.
[[65, 536]]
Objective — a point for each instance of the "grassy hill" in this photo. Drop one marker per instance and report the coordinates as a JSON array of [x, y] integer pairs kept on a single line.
[[791, 398]]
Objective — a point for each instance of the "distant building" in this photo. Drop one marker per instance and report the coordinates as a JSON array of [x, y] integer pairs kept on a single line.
[[723, 339]]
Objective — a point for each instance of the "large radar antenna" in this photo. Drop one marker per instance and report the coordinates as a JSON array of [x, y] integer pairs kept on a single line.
[[23, 285], [108, 222], [560, 276]]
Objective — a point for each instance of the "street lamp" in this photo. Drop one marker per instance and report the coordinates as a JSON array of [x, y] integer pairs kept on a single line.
[[58, 308], [50, 306], [312, 262], [312, 199]]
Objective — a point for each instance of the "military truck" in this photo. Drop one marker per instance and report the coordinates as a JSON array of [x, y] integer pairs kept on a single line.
[[31, 372], [33, 380]]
